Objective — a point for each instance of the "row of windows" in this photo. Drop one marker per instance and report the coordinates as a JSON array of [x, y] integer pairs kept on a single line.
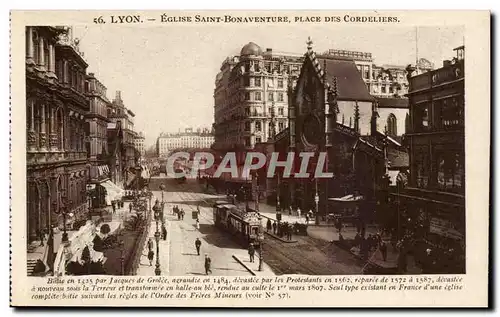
[[257, 82], [446, 172], [249, 112], [99, 107], [444, 114], [257, 95], [258, 126]]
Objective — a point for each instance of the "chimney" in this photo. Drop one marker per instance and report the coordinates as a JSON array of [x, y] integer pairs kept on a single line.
[[269, 50], [118, 95], [91, 74]]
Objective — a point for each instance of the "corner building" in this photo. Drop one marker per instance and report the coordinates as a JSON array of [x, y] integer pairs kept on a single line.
[[434, 200], [250, 90]]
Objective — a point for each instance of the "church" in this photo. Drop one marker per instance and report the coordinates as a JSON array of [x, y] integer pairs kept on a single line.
[[331, 110]]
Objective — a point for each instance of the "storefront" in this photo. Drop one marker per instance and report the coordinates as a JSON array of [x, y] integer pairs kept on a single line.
[[439, 231]]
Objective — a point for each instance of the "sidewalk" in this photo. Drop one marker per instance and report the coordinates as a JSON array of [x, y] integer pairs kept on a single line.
[[144, 268], [242, 257]]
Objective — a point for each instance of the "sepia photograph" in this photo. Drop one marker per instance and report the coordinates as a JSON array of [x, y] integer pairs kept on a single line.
[[235, 158], [390, 121]]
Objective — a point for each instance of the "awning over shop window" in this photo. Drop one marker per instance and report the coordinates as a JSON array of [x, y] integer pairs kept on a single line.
[[348, 198], [113, 192]]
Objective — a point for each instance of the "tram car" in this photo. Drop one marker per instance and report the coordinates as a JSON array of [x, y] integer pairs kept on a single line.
[[243, 225]]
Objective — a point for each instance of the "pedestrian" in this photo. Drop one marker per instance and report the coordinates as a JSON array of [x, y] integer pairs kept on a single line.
[[357, 239], [251, 252], [197, 223], [113, 205], [164, 231], [299, 213], [268, 225], [383, 250], [151, 253], [208, 263], [150, 244], [130, 207], [197, 244], [339, 225], [182, 214], [307, 218], [274, 227]]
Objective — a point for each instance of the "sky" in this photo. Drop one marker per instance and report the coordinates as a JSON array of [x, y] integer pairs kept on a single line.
[[167, 74]]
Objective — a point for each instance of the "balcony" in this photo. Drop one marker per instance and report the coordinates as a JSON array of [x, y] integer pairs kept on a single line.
[[438, 77], [39, 157]]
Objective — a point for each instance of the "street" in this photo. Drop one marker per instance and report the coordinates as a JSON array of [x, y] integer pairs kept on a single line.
[[178, 252]]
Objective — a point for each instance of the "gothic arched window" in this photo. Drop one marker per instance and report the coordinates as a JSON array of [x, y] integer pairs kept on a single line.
[[392, 125]]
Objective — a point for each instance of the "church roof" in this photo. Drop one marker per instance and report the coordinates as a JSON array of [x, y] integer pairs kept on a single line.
[[349, 84]]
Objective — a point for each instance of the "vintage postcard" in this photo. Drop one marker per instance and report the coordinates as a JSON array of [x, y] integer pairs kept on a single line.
[[250, 159]]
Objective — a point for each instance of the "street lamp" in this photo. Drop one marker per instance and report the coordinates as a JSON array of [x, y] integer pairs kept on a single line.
[[63, 209], [157, 238], [316, 200], [150, 209], [162, 188], [261, 243], [122, 257], [89, 199]]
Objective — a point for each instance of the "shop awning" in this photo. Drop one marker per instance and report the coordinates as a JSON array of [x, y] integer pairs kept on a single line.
[[393, 175], [348, 198], [113, 192]]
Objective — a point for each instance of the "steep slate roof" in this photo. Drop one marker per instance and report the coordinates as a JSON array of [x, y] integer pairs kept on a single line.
[[341, 75], [350, 85]]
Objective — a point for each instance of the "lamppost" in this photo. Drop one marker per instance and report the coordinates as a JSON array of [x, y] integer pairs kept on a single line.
[[316, 200], [150, 207], [278, 193], [122, 257], [162, 188], [89, 190], [90, 196], [62, 209], [261, 243], [157, 238]]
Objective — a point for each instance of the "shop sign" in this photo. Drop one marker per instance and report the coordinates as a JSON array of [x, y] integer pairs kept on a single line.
[[444, 228]]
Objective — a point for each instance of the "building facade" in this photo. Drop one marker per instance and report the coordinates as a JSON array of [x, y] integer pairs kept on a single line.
[[139, 143], [189, 139], [122, 127], [386, 81], [433, 204], [56, 104], [97, 143]]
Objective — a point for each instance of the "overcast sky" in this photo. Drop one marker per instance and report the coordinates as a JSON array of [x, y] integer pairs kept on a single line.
[[166, 74]]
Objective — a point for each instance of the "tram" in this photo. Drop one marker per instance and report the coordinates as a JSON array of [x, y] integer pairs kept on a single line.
[[243, 225]]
